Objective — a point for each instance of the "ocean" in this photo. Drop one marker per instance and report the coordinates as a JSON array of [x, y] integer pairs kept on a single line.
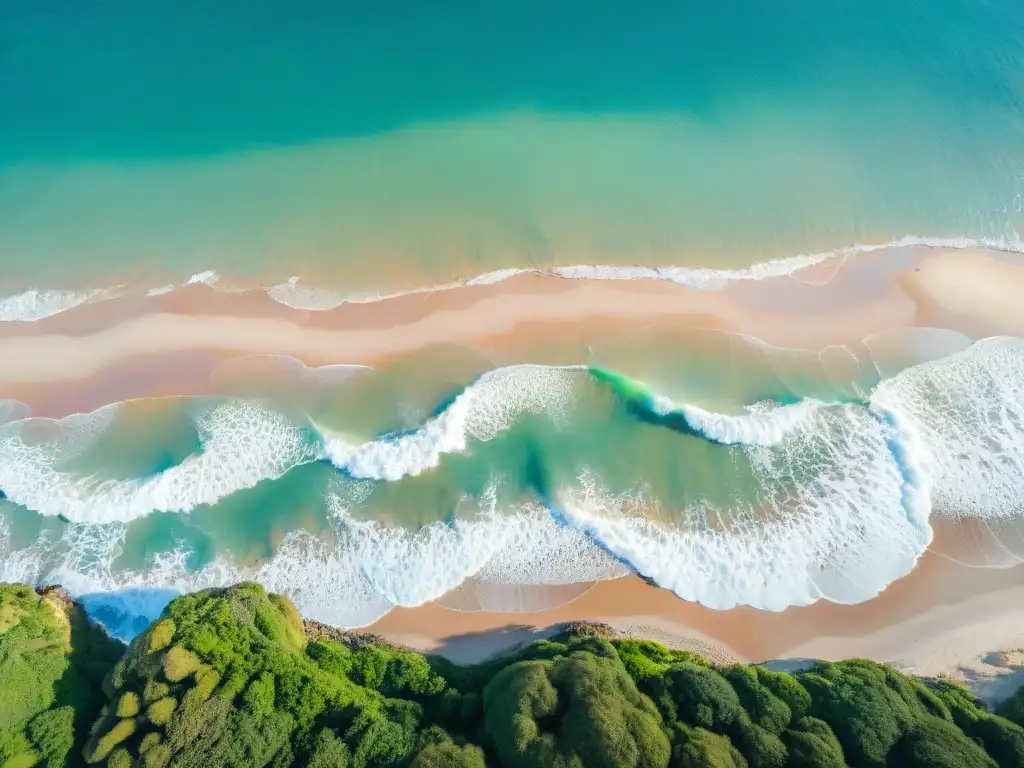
[[328, 153]]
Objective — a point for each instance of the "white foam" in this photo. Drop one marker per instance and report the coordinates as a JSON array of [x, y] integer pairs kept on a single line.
[[242, 444], [482, 411], [292, 294], [33, 305], [37, 304], [764, 424], [834, 518], [209, 277], [968, 411]]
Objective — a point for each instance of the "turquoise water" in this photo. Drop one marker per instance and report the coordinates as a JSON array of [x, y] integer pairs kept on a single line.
[[364, 151]]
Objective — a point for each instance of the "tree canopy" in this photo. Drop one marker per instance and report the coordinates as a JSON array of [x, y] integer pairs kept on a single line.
[[228, 677]]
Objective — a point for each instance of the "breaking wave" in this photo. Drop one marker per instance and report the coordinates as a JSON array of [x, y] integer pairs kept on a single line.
[[241, 445], [842, 503], [482, 411]]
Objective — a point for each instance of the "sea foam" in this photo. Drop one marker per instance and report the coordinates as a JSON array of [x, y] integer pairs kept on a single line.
[[295, 292], [242, 444], [967, 413], [837, 516], [33, 305], [482, 411]]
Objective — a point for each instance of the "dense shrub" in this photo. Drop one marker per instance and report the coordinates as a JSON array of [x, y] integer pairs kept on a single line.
[[52, 662], [226, 678], [936, 743], [575, 710], [865, 713], [699, 696], [812, 744], [698, 748]]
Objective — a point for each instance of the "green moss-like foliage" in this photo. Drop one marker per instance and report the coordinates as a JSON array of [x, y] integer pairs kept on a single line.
[[867, 714], [240, 686], [328, 751], [159, 712], [576, 710], [1002, 739], [149, 741], [438, 750], [698, 748], [101, 747], [128, 705], [699, 696], [1013, 707], [765, 709], [52, 663], [179, 663], [226, 678], [160, 635], [154, 690], [646, 660], [936, 743], [812, 744], [119, 758]]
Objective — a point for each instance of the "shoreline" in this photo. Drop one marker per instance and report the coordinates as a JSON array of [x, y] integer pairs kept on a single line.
[[941, 620], [862, 299]]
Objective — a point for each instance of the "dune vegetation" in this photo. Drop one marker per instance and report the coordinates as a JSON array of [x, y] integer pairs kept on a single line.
[[228, 677]]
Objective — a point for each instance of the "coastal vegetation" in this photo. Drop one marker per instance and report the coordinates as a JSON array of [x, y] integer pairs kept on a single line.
[[233, 677]]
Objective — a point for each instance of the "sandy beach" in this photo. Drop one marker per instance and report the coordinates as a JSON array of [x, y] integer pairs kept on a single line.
[[862, 299]]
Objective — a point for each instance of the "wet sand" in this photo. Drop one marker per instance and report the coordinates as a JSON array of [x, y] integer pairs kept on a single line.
[[781, 311]]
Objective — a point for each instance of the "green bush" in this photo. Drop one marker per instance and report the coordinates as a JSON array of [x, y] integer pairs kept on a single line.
[[1013, 707], [179, 663], [812, 744], [160, 635], [225, 678], [578, 709], [159, 712], [787, 688], [866, 715], [328, 751], [936, 743], [154, 690], [128, 705], [52, 664], [52, 734], [698, 748], [119, 758], [106, 743], [764, 708], [699, 696]]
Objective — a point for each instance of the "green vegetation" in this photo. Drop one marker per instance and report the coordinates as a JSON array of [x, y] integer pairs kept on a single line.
[[52, 664], [228, 678]]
